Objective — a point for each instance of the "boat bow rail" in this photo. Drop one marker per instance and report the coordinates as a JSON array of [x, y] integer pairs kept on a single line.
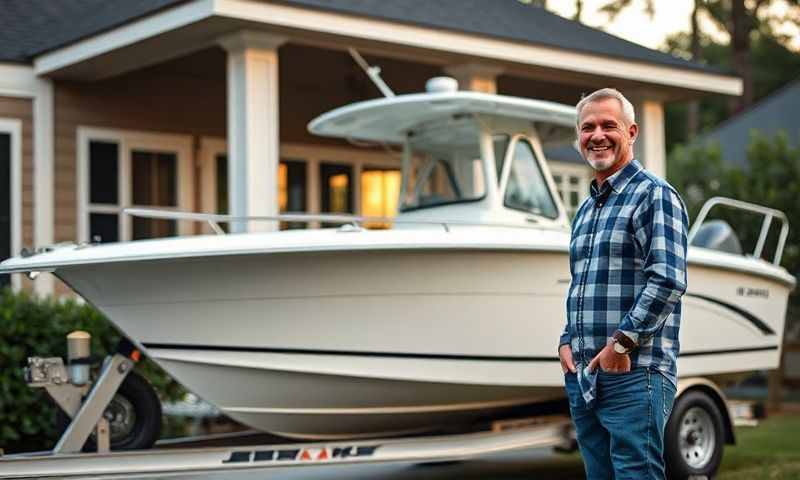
[[346, 222]]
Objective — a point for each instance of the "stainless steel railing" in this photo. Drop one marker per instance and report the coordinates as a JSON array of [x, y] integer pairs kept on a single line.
[[355, 222], [769, 215]]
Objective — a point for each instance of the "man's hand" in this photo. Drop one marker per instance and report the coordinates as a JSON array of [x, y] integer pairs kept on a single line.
[[610, 361], [565, 355]]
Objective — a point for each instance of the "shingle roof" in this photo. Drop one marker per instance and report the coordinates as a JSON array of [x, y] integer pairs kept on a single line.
[[31, 27], [507, 19], [777, 112]]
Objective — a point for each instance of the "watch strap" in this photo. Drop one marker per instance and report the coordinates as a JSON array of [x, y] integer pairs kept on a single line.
[[625, 341]]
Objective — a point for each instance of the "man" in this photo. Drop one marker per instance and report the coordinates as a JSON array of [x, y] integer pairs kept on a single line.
[[628, 265]]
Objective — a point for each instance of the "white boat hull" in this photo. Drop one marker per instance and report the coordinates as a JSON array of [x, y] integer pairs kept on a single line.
[[348, 343]]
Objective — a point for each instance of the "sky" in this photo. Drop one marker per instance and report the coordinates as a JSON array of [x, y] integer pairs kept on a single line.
[[670, 16]]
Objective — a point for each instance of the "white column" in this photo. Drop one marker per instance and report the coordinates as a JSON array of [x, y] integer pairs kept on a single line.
[[650, 148], [253, 137], [475, 77], [43, 180]]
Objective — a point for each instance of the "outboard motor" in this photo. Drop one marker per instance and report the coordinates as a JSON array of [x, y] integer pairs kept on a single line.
[[718, 235]]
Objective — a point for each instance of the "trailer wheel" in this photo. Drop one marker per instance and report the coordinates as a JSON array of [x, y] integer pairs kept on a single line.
[[694, 437], [134, 416]]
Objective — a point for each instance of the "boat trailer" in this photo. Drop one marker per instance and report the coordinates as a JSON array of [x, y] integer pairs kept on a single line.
[[86, 402]]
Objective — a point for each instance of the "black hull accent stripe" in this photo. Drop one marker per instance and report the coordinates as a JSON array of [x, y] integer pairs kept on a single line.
[[757, 322], [296, 351], [292, 351], [732, 350]]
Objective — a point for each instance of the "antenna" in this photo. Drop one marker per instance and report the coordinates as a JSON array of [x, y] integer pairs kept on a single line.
[[374, 73]]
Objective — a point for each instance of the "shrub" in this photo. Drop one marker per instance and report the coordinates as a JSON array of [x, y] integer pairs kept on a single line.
[[34, 327]]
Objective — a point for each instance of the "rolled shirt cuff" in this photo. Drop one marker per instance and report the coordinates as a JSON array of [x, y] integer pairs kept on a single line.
[[564, 340]]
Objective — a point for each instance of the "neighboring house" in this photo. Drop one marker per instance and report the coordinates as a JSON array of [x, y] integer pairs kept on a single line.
[[202, 105], [776, 113]]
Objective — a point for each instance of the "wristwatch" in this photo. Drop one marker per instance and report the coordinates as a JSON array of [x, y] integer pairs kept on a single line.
[[622, 343]]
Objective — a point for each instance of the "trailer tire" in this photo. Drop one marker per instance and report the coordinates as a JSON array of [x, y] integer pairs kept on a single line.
[[694, 437], [134, 416]]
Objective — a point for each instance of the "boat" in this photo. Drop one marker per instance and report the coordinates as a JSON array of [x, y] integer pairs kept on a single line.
[[450, 316]]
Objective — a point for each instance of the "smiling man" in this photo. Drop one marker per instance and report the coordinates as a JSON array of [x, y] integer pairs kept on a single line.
[[619, 347]]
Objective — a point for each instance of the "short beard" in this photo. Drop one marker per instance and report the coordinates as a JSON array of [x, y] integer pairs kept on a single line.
[[597, 168]]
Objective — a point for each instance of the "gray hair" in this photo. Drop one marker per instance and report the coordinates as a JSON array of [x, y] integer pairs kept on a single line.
[[603, 94]]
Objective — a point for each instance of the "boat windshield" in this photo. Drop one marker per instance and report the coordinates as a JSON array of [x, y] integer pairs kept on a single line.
[[527, 189], [445, 167]]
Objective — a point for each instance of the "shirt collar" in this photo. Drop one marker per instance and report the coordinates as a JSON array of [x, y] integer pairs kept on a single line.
[[618, 181]]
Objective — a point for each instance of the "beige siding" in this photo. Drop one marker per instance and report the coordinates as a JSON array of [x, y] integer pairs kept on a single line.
[[155, 100]]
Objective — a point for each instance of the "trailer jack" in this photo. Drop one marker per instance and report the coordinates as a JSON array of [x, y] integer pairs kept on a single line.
[[70, 387]]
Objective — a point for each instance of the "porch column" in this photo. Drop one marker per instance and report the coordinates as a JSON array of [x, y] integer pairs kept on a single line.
[[43, 177], [650, 148], [253, 138], [475, 77]]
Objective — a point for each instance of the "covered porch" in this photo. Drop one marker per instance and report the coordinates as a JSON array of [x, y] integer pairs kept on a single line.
[[204, 107]]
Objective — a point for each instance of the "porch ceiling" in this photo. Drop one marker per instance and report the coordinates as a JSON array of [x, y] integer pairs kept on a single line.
[[198, 25]]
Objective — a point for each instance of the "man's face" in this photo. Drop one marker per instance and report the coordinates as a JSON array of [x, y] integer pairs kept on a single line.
[[605, 139]]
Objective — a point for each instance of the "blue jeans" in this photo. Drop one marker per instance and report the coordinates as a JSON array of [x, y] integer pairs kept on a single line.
[[623, 435]]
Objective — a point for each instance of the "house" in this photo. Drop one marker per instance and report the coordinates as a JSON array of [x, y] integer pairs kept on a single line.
[[775, 113], [202, 105]]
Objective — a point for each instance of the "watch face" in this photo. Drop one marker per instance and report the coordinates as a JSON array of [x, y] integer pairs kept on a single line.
[[619, 348]]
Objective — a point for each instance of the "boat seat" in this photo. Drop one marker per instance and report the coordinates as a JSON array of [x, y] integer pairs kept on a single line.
[[718, 235]]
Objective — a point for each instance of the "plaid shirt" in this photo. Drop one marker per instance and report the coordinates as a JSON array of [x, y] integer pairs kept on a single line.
[[628, 266]]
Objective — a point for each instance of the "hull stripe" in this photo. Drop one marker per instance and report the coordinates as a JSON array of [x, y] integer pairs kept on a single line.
[[757, 322], [291, 351], [297, 351]]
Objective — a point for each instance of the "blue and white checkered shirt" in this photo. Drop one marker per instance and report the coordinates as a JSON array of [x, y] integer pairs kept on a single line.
[[628, 266]]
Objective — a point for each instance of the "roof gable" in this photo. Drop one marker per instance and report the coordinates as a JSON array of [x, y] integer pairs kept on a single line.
[[777, 112]]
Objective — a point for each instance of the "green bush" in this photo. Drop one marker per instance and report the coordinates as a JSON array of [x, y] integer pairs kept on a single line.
[[35, 327]]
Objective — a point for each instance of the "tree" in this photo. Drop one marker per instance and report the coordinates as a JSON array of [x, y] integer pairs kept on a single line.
[[693, 108], [741, 20], [615, 7], [774, 65]]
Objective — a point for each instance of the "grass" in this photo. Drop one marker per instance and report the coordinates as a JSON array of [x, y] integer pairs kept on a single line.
[[769, 451]]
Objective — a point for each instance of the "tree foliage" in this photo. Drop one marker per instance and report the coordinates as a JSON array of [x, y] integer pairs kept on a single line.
[[31, 327], [774, 65], [772, 180]]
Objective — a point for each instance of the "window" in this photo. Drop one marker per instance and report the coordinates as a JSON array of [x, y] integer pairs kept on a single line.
[[292, 191], [573, 185], [380, 189], [291, 188], [311, 179], [119, 169], [154, 185], [500, 145], [5, 203], [336, 192], [445, 167], [526, 189], [10, 194]]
